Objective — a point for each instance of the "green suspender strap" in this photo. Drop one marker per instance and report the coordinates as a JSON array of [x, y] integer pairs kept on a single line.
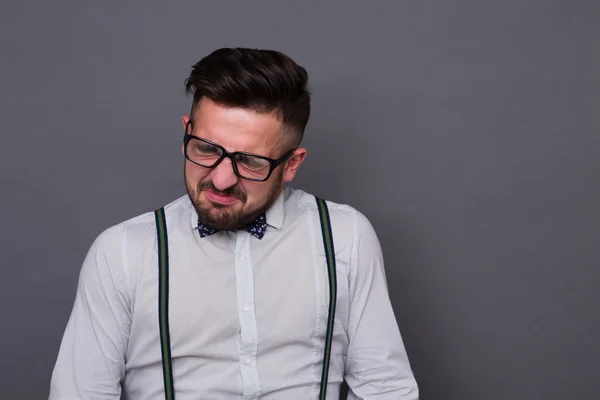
[[163, 302], [330, 256], [163, 297]]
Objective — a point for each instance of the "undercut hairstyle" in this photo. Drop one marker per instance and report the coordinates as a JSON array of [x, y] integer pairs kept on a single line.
[[264, 81]]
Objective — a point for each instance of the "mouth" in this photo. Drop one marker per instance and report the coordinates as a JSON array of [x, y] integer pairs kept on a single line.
[[220, 198]]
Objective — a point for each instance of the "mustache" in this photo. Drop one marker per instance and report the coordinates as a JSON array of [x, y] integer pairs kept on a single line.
[[233, 191]]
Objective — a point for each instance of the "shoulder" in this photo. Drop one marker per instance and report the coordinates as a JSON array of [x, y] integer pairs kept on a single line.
[[139, 231], [116, 254], [348, 224]]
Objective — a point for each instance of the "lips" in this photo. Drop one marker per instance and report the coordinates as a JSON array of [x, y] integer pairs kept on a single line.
[[221, 199]]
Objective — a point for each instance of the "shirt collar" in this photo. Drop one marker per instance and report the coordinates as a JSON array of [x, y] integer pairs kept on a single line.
[[275, 214]]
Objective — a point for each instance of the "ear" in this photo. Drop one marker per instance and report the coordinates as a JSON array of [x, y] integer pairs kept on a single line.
[[290, 168], [184, 120]]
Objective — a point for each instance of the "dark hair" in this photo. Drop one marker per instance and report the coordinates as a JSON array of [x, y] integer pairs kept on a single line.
[[264, 81]]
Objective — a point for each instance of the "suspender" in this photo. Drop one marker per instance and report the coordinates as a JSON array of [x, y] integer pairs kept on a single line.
[[163, 302], [330, 256], [163, 297]]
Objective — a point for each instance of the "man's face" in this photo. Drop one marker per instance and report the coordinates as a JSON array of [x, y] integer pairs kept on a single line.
[[221, 198]]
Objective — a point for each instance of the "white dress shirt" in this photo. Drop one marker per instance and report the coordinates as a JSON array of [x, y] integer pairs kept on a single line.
[[247, 317]]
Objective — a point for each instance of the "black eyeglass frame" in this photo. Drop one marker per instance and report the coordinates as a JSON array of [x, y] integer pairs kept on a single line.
[[272, 162]]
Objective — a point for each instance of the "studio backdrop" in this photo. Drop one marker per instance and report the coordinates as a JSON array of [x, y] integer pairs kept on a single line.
[[466, 131]]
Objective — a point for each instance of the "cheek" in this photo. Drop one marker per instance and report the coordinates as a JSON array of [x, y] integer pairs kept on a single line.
[[255, 191], [195, 174]]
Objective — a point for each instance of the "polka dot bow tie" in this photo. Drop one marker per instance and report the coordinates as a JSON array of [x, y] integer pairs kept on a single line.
[[256, 228]]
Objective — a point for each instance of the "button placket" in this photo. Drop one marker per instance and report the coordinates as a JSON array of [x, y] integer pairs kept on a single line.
[[248, 337]]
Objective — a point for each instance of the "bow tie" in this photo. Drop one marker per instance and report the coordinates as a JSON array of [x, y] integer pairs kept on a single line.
[[256, 228]]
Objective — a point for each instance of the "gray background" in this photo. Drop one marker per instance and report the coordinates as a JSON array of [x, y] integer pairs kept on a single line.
[[467, 131]]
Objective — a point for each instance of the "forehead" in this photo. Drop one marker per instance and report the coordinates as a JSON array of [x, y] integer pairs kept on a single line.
[[237, 129]]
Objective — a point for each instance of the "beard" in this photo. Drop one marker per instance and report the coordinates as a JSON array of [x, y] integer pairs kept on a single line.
[[232, 217]]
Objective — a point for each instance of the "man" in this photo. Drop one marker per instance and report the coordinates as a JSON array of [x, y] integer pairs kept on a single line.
[[244, 288]]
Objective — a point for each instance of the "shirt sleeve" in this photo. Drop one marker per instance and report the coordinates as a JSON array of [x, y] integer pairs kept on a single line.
[[377, 366], [91, 359]]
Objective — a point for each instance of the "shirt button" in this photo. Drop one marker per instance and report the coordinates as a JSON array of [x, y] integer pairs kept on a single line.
[[243, 258], [246, 307], [248, 361]]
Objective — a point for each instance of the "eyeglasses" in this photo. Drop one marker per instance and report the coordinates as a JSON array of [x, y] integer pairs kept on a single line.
[[248, 166]]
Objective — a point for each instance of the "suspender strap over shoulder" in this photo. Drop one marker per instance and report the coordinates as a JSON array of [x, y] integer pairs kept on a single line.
[[330, 256], [163, 297], [163, 302]]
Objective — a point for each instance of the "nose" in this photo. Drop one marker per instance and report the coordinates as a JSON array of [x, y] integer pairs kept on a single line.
[[223, 176]]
